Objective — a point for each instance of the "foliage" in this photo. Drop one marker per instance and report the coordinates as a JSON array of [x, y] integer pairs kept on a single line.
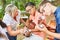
[[20, 4]]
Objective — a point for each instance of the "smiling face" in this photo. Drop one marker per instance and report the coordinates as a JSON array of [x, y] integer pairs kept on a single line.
[[31, 10], [46, 9]]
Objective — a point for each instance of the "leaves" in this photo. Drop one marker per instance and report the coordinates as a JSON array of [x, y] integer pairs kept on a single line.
[[21, 3]]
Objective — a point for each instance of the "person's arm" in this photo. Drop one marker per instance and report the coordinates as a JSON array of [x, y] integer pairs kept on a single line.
[[12, 32], [28, 24], [53, 27], [34, 30], [52, 24], [44, 29], [56, 35], [21, 20], [49, 26]]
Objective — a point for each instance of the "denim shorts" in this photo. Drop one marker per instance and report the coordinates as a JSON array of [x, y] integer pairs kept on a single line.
[[11, 37]]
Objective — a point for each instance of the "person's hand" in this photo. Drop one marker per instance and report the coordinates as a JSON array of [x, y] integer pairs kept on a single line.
[[26, 33], [42, 28]]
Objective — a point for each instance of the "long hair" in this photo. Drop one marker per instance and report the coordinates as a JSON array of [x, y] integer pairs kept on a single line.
[[42, 3], [10, 8]]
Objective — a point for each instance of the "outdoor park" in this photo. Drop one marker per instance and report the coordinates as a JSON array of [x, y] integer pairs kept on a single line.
[[20, 4]]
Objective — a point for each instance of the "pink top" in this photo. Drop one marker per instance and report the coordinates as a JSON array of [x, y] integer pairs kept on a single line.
[[36, 19]]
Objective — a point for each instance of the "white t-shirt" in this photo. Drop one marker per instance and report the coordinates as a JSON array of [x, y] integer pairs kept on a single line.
[[3, 32], [8, 20]]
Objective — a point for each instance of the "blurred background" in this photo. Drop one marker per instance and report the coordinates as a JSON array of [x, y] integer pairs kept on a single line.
[[20, 4]]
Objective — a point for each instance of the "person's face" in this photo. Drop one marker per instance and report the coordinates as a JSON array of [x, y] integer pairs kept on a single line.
[[15, 12], [45, 9], [30, 10]]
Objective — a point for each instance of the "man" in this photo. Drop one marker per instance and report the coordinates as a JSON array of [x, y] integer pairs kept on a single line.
[[34, 19], [48, 9]]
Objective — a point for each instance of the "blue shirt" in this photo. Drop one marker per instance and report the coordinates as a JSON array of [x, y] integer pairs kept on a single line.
[[57, 16]]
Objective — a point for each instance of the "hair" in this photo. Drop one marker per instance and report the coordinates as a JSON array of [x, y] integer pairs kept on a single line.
[[42, 3], [10, 8], [3, 25], [29, 4]]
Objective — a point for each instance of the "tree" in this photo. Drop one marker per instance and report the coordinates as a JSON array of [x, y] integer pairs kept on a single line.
[[21, 3]]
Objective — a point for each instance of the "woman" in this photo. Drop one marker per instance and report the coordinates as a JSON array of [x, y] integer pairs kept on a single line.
[[11, 19], [50, 9]]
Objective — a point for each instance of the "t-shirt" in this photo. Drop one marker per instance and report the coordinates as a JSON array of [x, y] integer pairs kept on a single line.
[[57, 16], [8, 20]]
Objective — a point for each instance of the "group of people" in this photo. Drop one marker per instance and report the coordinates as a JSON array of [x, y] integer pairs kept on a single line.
[[8, 26]]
